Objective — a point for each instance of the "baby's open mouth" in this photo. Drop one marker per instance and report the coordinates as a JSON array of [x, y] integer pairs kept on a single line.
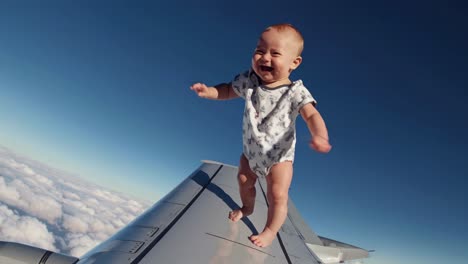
[[266, 68]]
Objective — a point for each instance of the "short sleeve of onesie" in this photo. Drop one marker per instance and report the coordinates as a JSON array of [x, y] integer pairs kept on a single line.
[[243, 81], [301, 97]]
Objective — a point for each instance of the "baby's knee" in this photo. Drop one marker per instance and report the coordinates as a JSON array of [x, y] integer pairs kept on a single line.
[[279, 195], [246, 180]]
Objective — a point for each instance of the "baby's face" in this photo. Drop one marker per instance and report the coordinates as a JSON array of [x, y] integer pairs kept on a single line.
[[276, 56]]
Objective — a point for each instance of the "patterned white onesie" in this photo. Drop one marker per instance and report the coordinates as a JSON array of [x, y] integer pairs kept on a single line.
[[269, 123]]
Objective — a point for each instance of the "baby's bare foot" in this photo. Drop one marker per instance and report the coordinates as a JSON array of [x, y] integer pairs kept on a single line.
[[264, 239], [236, 215]]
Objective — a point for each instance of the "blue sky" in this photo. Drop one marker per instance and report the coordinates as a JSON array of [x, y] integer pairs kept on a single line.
[[102, 90]]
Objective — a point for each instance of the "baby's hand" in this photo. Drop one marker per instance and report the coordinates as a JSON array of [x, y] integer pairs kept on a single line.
[[201, 89], [320, 144]]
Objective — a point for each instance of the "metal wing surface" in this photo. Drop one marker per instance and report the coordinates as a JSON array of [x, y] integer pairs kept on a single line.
[[191, 225]]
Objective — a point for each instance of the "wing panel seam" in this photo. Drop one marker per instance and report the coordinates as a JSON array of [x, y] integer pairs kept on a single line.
[[164, 232], [235, 242]]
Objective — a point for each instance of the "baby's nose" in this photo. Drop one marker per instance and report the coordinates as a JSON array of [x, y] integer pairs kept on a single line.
[[266, 57]]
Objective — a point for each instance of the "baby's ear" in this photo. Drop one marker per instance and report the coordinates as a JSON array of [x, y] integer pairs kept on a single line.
[[296, 62]]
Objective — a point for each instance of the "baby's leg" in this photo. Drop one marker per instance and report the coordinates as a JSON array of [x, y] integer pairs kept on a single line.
[[246, 178], [278, 182]]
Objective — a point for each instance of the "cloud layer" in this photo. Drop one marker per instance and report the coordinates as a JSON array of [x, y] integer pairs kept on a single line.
[[54, 210]]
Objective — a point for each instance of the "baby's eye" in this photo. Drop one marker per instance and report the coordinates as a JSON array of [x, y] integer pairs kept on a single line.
[[275, 53], [261, 52]]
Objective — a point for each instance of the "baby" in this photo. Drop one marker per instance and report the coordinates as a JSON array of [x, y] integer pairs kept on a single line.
[[272, 103]]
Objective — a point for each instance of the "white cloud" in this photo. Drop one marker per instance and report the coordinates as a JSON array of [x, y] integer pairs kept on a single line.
[[74, 224], [26, 229], [7, 193], [80, 243], [55, 210]]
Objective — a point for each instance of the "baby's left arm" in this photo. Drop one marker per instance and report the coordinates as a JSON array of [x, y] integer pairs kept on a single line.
[[317, 128]]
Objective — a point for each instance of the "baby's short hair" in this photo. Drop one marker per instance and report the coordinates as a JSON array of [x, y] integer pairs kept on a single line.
[[286, 26]]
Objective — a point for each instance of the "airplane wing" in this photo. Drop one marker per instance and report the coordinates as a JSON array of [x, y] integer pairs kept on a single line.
[[191, 225]]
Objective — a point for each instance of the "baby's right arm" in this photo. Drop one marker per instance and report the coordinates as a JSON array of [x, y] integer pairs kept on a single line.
[[221, 91]]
